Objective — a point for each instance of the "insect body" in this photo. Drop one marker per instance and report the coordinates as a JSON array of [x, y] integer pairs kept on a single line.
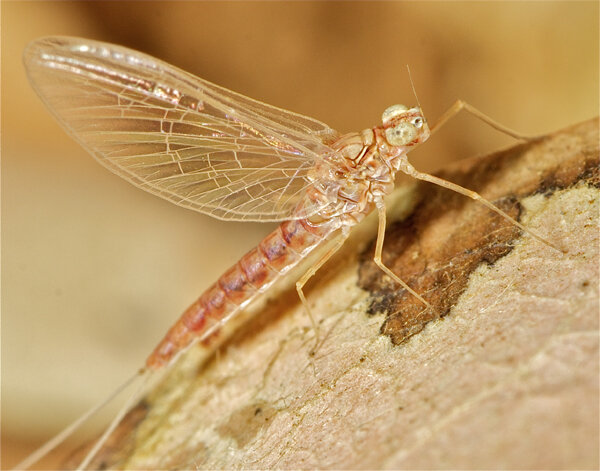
[[357, 175], [217, 152], [214, 151]]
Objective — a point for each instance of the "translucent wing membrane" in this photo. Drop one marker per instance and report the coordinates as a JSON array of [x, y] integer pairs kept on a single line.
[[180, 137]]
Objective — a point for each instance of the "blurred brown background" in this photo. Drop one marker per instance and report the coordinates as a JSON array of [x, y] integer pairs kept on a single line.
[[94, 270]]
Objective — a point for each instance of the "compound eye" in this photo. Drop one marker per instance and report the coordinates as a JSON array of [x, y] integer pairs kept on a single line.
[[392, 112], [401, 135], [417, 122]]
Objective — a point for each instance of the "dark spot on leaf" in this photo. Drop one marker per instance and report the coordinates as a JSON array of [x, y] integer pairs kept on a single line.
[[244, 424]]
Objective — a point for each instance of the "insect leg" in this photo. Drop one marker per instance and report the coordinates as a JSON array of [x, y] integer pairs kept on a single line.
[[379, 249], [410, 170], [460, 105], [339, 241]]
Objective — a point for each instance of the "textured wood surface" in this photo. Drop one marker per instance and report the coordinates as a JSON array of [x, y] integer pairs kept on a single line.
[[502, 372]]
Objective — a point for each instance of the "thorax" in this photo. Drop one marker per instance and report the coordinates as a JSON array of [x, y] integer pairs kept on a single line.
[[361, 170]]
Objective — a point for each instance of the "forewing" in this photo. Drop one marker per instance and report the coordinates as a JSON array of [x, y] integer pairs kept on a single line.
[[178, 136]]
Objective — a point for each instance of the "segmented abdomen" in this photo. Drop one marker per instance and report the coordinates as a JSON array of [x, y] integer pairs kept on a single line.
[[256, 271]]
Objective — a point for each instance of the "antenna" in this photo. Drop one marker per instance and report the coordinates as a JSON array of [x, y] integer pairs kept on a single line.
[[413, 87]]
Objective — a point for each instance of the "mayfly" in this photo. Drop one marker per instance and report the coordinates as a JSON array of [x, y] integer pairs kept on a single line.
[[215, 151]]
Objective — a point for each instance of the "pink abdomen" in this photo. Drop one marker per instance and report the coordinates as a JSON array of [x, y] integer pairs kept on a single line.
[[238, 286]]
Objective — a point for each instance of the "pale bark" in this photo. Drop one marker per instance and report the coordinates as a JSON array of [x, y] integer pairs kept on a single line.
[[507, 378]]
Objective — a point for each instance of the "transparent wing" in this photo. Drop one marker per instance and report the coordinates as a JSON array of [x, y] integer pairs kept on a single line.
[[178, 136]]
